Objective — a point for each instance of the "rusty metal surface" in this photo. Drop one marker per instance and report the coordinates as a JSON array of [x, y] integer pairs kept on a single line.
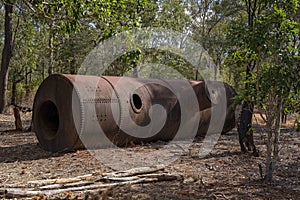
[[72, 110]]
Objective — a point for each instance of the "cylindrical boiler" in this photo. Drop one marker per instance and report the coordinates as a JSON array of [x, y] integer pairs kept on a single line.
[[76, 111]]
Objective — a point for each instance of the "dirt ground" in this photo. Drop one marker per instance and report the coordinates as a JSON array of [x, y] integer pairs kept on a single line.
[[225, 173]]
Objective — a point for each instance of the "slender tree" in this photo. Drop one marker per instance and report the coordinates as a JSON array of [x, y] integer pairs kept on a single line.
[[266, 44], [6, 53]]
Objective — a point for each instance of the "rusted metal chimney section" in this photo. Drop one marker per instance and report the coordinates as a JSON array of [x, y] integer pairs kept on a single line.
[[76, 111]]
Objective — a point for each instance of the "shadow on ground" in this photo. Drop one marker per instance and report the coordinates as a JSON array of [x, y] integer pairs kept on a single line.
[[24, 152]]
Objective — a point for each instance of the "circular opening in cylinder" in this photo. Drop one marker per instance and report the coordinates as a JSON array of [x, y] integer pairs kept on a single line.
[[136, 103], [49, 119]]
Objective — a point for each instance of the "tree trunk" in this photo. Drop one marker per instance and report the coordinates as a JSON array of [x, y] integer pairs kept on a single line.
[[273, 142], [269, 171], [18, 121], [135, 70], [245, 123], [51, 61], [14, 92], [6, 54], [245, 128]]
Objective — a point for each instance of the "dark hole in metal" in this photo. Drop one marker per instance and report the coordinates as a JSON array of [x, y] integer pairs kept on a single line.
[[137, 102], [49, 119]]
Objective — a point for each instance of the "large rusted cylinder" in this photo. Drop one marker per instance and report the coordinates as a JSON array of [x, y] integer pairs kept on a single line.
[[75, 111]]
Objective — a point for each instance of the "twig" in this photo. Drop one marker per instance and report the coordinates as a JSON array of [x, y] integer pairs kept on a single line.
[[37, 183], [135, 171], [60, 186]]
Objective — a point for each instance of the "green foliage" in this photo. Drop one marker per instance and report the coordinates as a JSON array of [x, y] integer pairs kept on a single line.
[[266, 54], [28, 45], [59, 34], [267, 49], [174, 64], [171, 15]]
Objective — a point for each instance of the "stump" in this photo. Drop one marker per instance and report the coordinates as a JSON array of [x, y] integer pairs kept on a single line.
[[18, 121]]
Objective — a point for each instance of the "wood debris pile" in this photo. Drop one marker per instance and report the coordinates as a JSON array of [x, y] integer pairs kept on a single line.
[[96, 180]]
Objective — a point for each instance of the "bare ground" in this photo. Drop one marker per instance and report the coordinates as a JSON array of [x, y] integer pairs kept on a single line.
[[225, 173]]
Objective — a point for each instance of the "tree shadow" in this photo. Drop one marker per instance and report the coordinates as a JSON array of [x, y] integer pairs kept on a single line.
[[24, 152], [220, 155]]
